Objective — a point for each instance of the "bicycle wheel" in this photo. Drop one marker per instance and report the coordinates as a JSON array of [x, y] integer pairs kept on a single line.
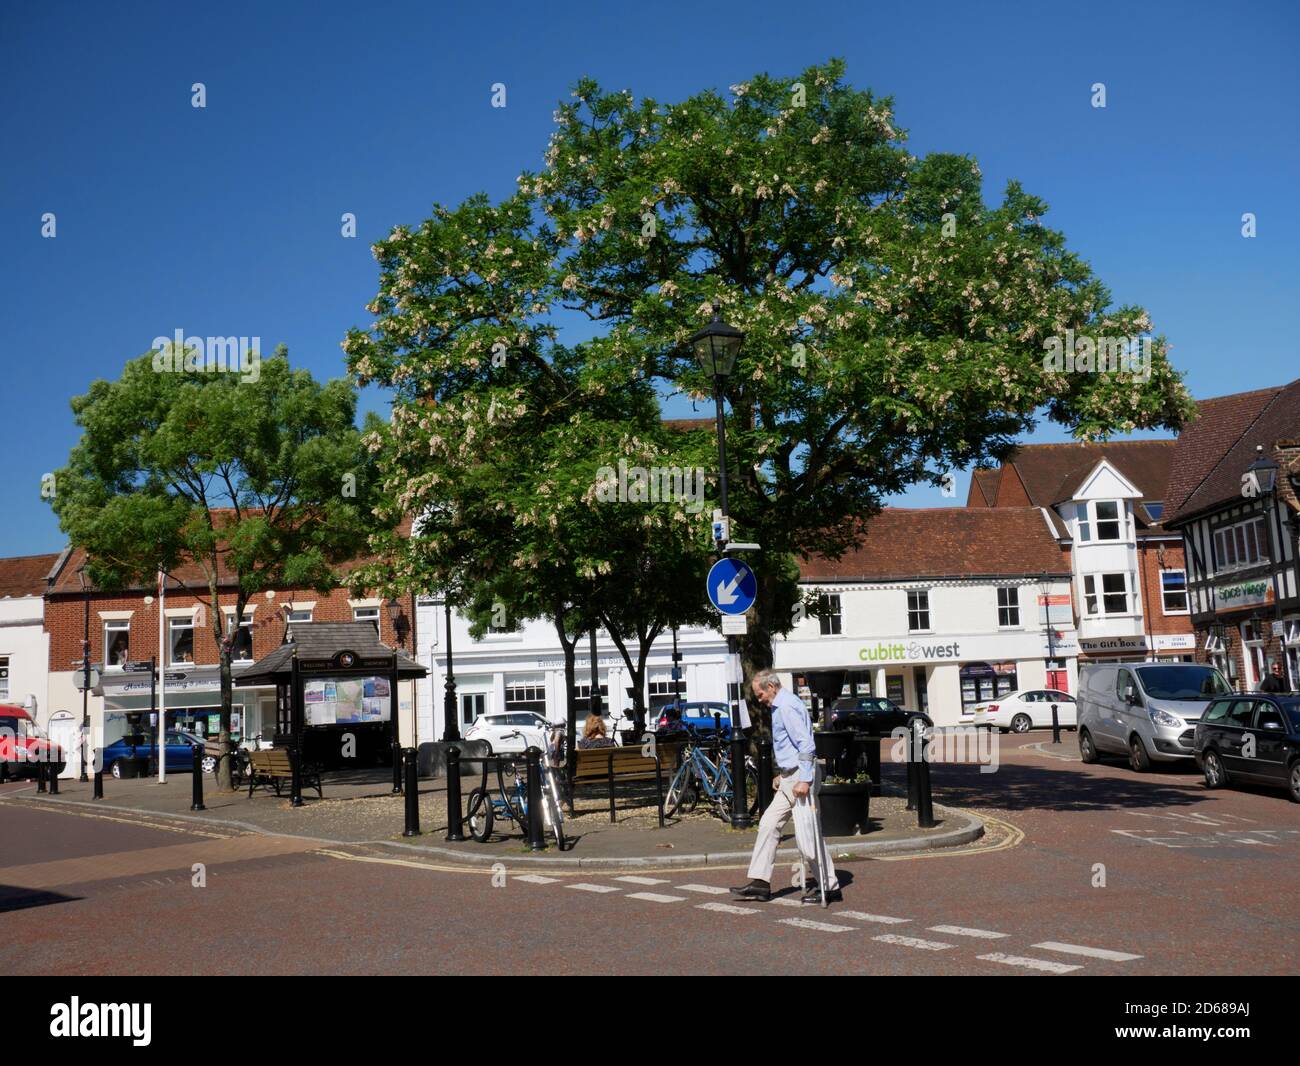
[[479, 814], [551, 807], [677, 789], [751, 790]]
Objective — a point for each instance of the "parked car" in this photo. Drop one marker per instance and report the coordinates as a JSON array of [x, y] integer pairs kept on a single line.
[[1026, 709], [1147, 711], [23, 744], [694, 716], [508, 732], [874, 715], [178, 746], [1252, 737]]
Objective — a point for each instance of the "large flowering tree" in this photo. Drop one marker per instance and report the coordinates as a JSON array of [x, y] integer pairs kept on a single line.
[[895, 323]]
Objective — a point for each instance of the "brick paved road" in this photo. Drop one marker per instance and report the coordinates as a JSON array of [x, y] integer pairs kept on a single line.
[[1195, 882]]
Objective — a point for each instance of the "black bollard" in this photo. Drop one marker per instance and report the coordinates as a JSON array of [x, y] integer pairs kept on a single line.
[[98, 792], [4, 771], [455, 828], [739, 801], [412, 794], [765, 776], [40, 775], [911, 768], [536, 837], [397, 769], [924, 805], [1056, 726], [196, 794], [53, 771]]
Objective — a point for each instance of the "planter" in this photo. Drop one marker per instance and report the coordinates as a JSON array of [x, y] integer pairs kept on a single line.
[[134, 766], [845, 809], [834, 747]]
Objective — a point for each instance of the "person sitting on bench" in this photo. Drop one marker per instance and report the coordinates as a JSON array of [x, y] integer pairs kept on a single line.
[[593, 734]]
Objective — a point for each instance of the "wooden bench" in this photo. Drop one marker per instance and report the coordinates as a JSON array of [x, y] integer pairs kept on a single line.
[[613, 766], [274, 766]]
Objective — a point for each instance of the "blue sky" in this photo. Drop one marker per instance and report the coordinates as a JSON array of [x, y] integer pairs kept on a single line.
[[225, 220]]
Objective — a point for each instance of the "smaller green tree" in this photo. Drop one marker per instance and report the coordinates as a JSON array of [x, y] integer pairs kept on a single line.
[[259, 481]]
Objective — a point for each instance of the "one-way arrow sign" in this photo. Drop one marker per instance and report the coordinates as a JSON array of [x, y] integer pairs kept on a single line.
[[731, 586]]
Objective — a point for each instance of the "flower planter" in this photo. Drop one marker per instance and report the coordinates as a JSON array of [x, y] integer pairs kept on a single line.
[[845, 809]]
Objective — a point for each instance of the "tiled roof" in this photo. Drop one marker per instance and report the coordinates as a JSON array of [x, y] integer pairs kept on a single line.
[[324, 640], [951, 542], [1052, 472], [983, 488], [1218, 446], [24, 575]]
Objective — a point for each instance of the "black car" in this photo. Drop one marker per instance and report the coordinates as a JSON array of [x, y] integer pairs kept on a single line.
[[1252, 737], [873, 715]]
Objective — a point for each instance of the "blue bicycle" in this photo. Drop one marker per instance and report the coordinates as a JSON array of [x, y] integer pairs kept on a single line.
[[708, 773], [510, 801]]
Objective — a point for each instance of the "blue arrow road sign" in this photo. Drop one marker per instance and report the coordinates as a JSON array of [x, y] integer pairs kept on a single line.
[[731, 586]]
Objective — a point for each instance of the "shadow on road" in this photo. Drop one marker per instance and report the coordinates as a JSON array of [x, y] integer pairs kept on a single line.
[[13, 898]]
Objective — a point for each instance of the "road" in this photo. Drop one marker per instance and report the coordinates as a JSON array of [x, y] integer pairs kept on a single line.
[[1086, 870]]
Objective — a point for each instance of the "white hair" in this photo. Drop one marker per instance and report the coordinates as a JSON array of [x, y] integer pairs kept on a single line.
[[767, 679]]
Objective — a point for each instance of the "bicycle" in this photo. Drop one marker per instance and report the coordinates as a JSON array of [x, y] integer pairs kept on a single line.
[[511, 801], [698, 772]]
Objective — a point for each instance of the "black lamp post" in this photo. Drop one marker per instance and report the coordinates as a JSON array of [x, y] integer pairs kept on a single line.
[[450, 723], [1263, 477], [85, 667], [716, 347]]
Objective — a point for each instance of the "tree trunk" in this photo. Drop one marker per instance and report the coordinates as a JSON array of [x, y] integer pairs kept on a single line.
[[225, 776], [570, 700], [755, 649]]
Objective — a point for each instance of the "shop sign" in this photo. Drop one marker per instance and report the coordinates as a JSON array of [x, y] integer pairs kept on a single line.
[[897, 651], [1101, 645], [1243, 594], [1176, 642]]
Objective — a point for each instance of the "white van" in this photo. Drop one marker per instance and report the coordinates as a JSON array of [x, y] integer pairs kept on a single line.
[[1147, 711]]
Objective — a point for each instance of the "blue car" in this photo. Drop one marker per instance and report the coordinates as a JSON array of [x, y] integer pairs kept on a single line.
[[697, 717], [178, 748]]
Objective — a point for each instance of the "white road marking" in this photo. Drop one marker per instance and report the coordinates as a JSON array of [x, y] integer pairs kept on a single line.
[[1027, 963], [1092, 953], [582, 886], [708, 890], [655, 897], [535, 879], [913, 942], [822, 927], [726, 908], [785, 901], [632, 879], [882, 919], [961, 930]]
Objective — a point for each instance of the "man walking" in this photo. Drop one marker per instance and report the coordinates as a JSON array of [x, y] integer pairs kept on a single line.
[[1275, 682], [794, 753]]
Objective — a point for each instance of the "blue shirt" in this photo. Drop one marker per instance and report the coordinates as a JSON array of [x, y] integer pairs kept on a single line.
[[792, 737]]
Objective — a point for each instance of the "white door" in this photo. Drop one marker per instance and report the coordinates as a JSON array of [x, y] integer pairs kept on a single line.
[[63, 731]]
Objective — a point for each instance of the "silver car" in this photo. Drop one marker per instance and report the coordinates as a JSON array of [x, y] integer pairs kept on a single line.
[[1146, 711]]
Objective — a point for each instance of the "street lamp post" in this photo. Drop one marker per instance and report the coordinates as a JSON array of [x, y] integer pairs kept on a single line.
[[716, 347], [450, 725], [85, 667], [1262, 476]]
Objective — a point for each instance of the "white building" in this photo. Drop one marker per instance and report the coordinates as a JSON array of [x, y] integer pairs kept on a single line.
[[938, 610], [25, 645]]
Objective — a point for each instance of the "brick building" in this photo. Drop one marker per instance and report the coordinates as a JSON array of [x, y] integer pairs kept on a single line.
[[1106, 503], [1233, 499], [127, 628]]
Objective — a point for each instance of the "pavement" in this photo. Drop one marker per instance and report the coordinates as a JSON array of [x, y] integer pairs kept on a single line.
[[1082, 870], [360, 809]]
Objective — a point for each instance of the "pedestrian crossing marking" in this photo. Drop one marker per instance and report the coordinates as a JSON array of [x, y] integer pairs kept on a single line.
[[632, 879], [726, 908], [1027, 963], [882, 919], [961, 930], [656, 897], [1092, 953], [536, 879], [822, 927], [708, 890], [913, 942], [582, 886]]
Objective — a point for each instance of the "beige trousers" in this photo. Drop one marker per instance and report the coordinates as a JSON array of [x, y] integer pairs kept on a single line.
[[769, 835]]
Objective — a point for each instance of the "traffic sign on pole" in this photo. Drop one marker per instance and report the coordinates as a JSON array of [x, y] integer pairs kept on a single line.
[[731, 586]]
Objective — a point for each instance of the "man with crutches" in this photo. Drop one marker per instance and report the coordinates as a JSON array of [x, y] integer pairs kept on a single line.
[[795, 755]]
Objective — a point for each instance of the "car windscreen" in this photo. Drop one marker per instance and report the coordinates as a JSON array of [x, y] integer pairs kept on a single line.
[[1182, 682]]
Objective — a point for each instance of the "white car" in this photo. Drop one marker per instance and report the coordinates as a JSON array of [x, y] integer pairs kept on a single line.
[[508, 732], [1027, 709]]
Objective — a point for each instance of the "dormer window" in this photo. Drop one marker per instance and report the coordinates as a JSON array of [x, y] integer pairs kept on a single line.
[[1110, 525]]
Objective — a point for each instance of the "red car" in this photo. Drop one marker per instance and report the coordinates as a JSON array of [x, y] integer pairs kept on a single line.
[[23, 744]]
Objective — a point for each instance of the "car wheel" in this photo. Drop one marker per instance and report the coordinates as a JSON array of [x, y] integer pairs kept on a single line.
[[1212, 766], [209, 764], [1020, 723], [117, 770], [1087, 749], [1293, 782], [1138, 759]]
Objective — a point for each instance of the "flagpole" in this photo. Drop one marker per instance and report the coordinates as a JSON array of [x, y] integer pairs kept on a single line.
[[162, 682]]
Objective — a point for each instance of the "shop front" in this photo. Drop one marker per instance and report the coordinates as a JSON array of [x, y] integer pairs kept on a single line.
[[192, 698]]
